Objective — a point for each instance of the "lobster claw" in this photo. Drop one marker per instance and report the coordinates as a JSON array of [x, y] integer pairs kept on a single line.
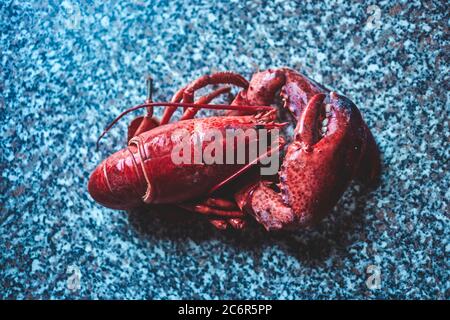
[[329, 143], [325, 156]]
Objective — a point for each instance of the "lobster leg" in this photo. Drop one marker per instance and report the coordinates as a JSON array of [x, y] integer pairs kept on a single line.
[[177, 97], [219, 224], [191, 112], [148, 122], [220, 203], [235, 223], [211, 211], [224, 212], [187, 94], [215, 78]]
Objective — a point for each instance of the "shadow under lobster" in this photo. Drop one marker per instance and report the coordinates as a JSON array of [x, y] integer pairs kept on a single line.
[[310, 246]]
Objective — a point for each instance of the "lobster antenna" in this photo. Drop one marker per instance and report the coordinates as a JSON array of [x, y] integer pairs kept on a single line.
[[182, 104], [149, 83]]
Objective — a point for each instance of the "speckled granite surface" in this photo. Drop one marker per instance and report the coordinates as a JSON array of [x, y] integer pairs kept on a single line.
[[67, 69]]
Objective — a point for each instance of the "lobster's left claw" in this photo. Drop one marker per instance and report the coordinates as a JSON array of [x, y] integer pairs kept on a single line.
[[330, 141]]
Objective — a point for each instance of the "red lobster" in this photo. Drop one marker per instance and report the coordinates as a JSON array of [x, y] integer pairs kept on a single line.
[[331, 145]]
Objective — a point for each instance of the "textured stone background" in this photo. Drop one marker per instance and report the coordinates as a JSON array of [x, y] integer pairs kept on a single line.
[[67, 69]]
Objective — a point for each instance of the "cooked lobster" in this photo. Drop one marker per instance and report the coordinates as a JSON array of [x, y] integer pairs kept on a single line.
[[330, 146]]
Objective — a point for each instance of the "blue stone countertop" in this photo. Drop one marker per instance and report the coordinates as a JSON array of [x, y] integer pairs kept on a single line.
[[67, 69]]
